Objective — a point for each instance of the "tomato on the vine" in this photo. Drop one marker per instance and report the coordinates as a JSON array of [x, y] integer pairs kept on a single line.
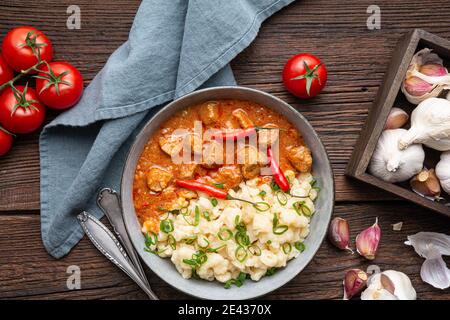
[[304, 75], [6, 73], [6, 141], [22, 45], [59, 87], [20, 110]]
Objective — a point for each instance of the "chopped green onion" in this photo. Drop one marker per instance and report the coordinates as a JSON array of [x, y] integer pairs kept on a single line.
[[301, 208], [287, 247], [171, 241], [269, 242], [190, 240], [261, 206], [239, 281], [271, 271], [219, 185], [197, 259], [254, 250], [237, 219], [300, 246], [214, 202], [313, 182], [206, 216], [225, 234], [242, 238], [241, 254], [274, 186], [282, 198], [197, 216], [277, 228], [151, 239], [262, 193], [166, 226], [216, 249]]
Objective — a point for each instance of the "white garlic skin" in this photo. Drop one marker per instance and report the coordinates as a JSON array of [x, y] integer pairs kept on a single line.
[[443, 171], [430, 125], [391, 164], [402, 284]]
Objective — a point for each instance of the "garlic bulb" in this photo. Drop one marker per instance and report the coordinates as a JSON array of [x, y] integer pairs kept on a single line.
[[391, 164], [443, 171], [426, 77], [430, 125], [389, 285]]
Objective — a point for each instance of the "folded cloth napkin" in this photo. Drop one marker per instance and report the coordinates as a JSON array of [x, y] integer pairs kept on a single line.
[[174, 47]]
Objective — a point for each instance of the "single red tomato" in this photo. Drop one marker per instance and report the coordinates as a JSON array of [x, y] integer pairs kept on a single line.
[[6, 141], [304, 75], [6, 73], [21, 46], [60, 87], [20, 111]]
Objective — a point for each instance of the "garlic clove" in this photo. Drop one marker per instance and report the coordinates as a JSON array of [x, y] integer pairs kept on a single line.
[[433, 69], [417, 87], [426, 184], [397, 118], [339, 233], [425, 70], [354, 281], [389, 285], [368, 240]]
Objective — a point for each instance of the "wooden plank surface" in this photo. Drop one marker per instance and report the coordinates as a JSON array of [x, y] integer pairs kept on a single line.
[[356, 59]]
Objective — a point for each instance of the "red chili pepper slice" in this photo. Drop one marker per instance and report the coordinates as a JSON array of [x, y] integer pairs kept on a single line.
[[277, 173], [199, 186]]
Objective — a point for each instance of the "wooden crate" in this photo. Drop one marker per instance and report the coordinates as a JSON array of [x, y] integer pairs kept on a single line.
[[390, 95]]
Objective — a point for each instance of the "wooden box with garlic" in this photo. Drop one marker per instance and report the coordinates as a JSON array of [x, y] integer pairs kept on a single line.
[[404, 147]]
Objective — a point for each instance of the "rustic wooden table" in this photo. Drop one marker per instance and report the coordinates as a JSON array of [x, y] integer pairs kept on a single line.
[[356, 58]]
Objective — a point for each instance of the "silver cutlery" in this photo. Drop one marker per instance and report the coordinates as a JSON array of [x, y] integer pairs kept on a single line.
[[105, 241], [108, 201]]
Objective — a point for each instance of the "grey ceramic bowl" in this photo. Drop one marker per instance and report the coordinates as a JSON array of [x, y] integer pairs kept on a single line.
[[324, 203]]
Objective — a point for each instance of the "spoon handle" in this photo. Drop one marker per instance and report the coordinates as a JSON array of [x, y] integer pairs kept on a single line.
[[108, 201], [105, 241]]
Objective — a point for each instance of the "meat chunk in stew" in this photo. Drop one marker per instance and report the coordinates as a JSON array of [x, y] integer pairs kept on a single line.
[[300, 157], [251, 160], [209, 113], [158, 179], [187, 171], [171, 144], [243, 118], [230, 176]]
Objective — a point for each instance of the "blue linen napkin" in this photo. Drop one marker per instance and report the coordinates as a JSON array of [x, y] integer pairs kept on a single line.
[[174, 47]]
